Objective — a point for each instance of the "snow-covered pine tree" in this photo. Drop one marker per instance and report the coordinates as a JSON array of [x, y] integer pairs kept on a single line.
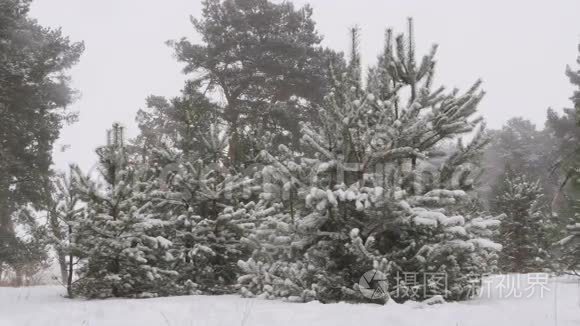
[[258, 55], [519, 143], [177, 120], [420, 223], [209, 205], [574, 77], [278, 267], [569, 251], [63, 217], [382, 194], [524, 228], [127, 253], [567, 130]]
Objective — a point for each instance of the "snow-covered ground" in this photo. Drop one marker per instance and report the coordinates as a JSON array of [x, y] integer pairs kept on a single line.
[[45, 306]]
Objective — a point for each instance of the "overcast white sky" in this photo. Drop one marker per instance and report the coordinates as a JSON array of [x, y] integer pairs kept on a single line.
[[518, 47]]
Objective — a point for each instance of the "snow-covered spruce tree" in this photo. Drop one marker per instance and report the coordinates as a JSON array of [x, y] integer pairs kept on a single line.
[[127, 254], [210, 207], [385, 192], [524, 227]]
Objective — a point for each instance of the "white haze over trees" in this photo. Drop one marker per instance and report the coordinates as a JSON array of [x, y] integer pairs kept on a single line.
[[281, 164]]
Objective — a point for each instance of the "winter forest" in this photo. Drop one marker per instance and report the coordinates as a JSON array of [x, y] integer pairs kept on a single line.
[[285, 170]]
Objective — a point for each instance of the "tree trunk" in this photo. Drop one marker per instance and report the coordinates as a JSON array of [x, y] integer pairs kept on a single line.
[[6, 224], [233, 143], [70, 264], [232, 115], [63, 266], [18, 280], [69, 289], [61, 254]]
